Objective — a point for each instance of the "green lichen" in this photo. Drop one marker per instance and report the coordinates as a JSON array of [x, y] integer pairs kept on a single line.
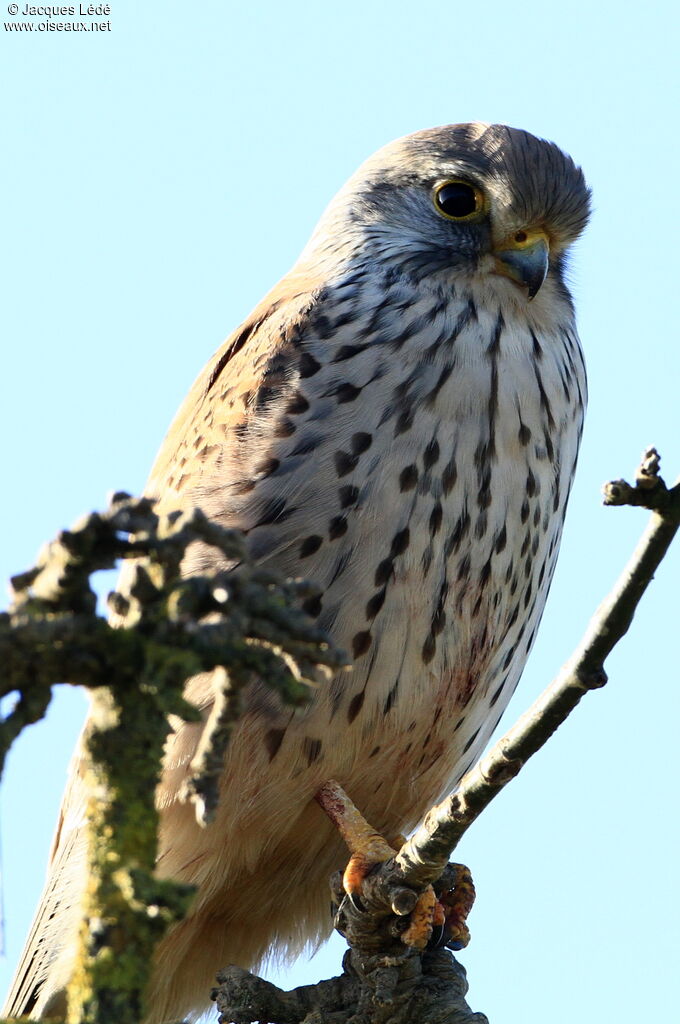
[[240, 622]]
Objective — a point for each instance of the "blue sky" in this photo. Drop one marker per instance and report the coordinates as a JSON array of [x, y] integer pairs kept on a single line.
[[157, 180]]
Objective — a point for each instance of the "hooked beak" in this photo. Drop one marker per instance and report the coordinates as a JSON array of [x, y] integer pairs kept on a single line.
[[524, 258]]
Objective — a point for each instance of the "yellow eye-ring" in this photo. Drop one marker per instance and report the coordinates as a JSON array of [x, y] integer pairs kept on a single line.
[[458, 200]]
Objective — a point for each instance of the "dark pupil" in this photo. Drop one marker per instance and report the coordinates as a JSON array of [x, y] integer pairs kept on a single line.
[[457, 199]]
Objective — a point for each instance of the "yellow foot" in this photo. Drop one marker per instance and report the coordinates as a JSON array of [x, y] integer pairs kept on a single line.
[[456, 904], [446, 915]]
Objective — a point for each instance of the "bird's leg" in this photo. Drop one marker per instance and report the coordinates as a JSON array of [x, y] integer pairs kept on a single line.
[[366, 846], [368, 849]]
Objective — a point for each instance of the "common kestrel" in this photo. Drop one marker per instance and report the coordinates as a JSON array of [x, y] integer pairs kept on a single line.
[[397, 420]]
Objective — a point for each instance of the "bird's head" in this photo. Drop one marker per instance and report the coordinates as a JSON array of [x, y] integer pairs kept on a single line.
[[470, 199]]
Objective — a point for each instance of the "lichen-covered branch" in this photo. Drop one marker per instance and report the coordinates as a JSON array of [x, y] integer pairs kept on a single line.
[[240, 622]]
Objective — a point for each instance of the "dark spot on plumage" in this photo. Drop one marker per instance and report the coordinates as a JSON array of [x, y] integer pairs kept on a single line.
[[481, 523], [284, 428], [384, 572], [374, 751], [463, 568], [297, 404], [400, 542], [537, 350], [273, 740], [265, 394], [399, 340], [545, 404], [532, 485], [381, 315], [527, 596], [427, 740], [525, 544], [444, 375], [266, 467], [355, 706], [495, 344], [323, 327], [312, 749], [534, 545], [439, 617], [426, 561], [313, 606], [549, 447], [345, 463], [537, 516], [348, 495], [343, 319], [308, 365], [431, 454], [244, 486], [436, 517], [496, 694], [274, 511], [524, 434], [391, 698], [514, 583], [507, 660], [485, 573], [458, 533], [306, 444], [556, 499], [310, 545], [341, 564], [459, 723], [408, 478], [374, 605], [484, 453], [347, 392], [337, 527], [428, 485], [449, 476], [541, 575], [501, 540], [404, 422], [429, 649], [348, 351], [435, 348], [470, 741], [515, 612], [361, 442], [524, 511], [484, 493], [239, 431]]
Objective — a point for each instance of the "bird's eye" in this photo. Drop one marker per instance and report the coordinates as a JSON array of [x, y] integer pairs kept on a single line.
[[458, 200]]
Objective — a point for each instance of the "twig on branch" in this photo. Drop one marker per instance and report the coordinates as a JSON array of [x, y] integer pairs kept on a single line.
[[422, 858]]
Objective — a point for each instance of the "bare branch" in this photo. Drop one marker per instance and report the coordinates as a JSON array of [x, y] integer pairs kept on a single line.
[[423, 857]]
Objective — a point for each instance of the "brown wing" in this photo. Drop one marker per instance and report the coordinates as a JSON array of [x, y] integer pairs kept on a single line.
[[40, 975], [254, 362], [257, 359]]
